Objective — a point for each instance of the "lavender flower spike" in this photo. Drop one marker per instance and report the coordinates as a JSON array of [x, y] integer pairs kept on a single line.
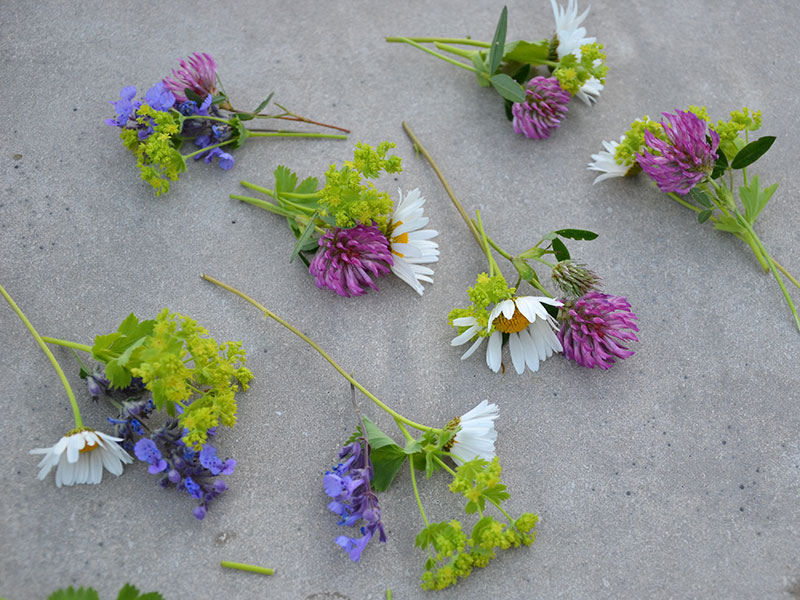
[[594, 329], [349, 259], [198, 73], [685, 159], [544, 108]]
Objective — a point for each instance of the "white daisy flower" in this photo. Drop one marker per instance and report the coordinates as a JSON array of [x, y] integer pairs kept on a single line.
[[568, 31], [411, 245], [606, 163], [590, 91], [81, 456], [477, 435], [530, 329]]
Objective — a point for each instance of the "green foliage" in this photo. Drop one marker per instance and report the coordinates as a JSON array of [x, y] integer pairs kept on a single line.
[[526, 52], [386, 456], [157, 157], [498, 42], [128, 592], [752, 152], [634, 141], [479, 481], [730, 140], [573, 72], [180, 366], [754, 198], [490, 290]]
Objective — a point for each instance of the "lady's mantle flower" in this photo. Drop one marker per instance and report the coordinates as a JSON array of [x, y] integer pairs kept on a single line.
[[348, 259], [81, 456], [353, 500], [198, 73], [477, 435], [411, 246], [685, 158], [594, 329], [544, 108], [569, 34]]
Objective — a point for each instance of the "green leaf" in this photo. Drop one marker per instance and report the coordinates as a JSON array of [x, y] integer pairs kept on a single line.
[[73, 594], [729, 224], [263, 105], [193, 96], [754, 198], [720, 166], [576, 234], [498, 42], [524, 269], [522, 75], [309, 185], [752, 152], [241, 133], [304, 238], [533, 252], [285, 180], [507, 87], [700, 197], [704, 215], [526, 52], [386, 462], [375, 437], [130, 592], [482, 70], [560, 250]]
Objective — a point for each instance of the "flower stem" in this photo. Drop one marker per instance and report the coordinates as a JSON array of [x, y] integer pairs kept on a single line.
[[493, 268], [295, 134], [421, 149], [270, 192], [290, 116], [785, 272], [453, 50], [274, 208], [431, 40], [245, 567], [67, 344], [324, 354], [433, 52], [75, 410], [230, 141], [416, 493]]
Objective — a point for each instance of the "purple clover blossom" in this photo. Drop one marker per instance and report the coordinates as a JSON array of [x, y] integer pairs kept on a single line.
[[198, 73], [353, 500], [348, 259], [685, 159], [594, 329], [544, 108]]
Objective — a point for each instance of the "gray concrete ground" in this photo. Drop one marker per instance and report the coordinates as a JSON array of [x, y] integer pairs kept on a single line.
[[674, 475]]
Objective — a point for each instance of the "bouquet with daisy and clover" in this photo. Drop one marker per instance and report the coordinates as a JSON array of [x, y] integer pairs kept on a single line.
[[191, 106], [353, 232], [464, 449], [703, 166], [536, 80], [589, 326], [170, 387]]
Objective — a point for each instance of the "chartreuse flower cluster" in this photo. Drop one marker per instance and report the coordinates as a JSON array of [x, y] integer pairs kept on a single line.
[[355, 231], [188, 108], [536, 102], [703, 166], [167, 366], [370, 459], [588, 326]]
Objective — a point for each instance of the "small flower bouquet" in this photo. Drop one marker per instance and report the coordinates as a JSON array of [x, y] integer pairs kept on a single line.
[[464, 449], [699, 164], [588, 326], [188, 107], [536, 104], [354, 231]]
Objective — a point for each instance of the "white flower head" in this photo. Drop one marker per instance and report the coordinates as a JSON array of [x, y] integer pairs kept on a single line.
[[477, 435], [571, 36], [590, 91], [606, 163], [81, 456], [411, 245]]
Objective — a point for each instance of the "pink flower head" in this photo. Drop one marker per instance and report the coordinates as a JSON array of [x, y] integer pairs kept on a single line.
[[348, 259], [685, 159], [198, 73], [544, 108], [594, 329]]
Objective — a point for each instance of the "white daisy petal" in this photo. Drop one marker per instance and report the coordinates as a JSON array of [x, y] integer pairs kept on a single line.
[[477, 435], [472, 348], [493, 357], [517, 352], [409, 243], [466, 336]]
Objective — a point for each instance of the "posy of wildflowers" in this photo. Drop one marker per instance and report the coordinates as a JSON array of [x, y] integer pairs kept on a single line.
[[370, 459], [535, 79], [703, 166], [356, 232], [191, 107], [588, 326]]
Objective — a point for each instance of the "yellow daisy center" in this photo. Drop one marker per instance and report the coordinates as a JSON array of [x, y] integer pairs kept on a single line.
[[516, 323], [88, 447]]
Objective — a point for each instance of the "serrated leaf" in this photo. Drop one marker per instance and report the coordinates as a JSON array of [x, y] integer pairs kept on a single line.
[[729, 224], [507, 87], [752, 152], [720, 166], [285, 180], [560, 250], [527, 52], [498, 42], [72, 594], [700, 197], [301, 241], [375, 437], [704, 215], [386, 462], [128, 592], [754, 198], [577, 234], [309, 185], [263, 105], [412, 447]]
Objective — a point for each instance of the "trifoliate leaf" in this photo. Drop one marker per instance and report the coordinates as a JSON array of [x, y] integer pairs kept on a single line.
[[752, 152], [720, 166], [130, 592]]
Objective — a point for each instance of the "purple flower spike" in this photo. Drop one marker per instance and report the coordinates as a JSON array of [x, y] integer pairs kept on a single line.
[[544, 108], [685, 159], [198, 73], [123, 107], [349, 259], [594, 329]]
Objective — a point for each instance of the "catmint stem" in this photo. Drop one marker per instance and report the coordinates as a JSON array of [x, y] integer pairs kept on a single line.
[[245, 567], [324, 354], [419, 147], [431, 40], [67, 344], [75, 410], [433, 52]]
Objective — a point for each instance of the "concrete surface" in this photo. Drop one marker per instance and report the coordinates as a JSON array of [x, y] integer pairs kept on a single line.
[[674, 475]]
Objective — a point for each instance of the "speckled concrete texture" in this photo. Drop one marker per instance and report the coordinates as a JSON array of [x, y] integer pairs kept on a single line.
[[674, 475]]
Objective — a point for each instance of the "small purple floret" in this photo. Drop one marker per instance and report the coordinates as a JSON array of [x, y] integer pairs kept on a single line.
[[685, 159], [545, 106], [594, 329], [348, 259]]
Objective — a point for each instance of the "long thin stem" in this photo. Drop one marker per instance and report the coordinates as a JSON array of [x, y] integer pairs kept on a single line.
[[75, 410], [785, 272], [245, 567], [207, 148], [295, 134], [274, 208], [447, 188], [431, 40], [270, 192], [324, 354], [67, 344], [493, 268], [434, 53], [453, 50], [290, 116], [416, 493]]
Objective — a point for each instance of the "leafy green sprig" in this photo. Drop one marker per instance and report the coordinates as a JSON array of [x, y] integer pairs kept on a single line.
[[128, 592]]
